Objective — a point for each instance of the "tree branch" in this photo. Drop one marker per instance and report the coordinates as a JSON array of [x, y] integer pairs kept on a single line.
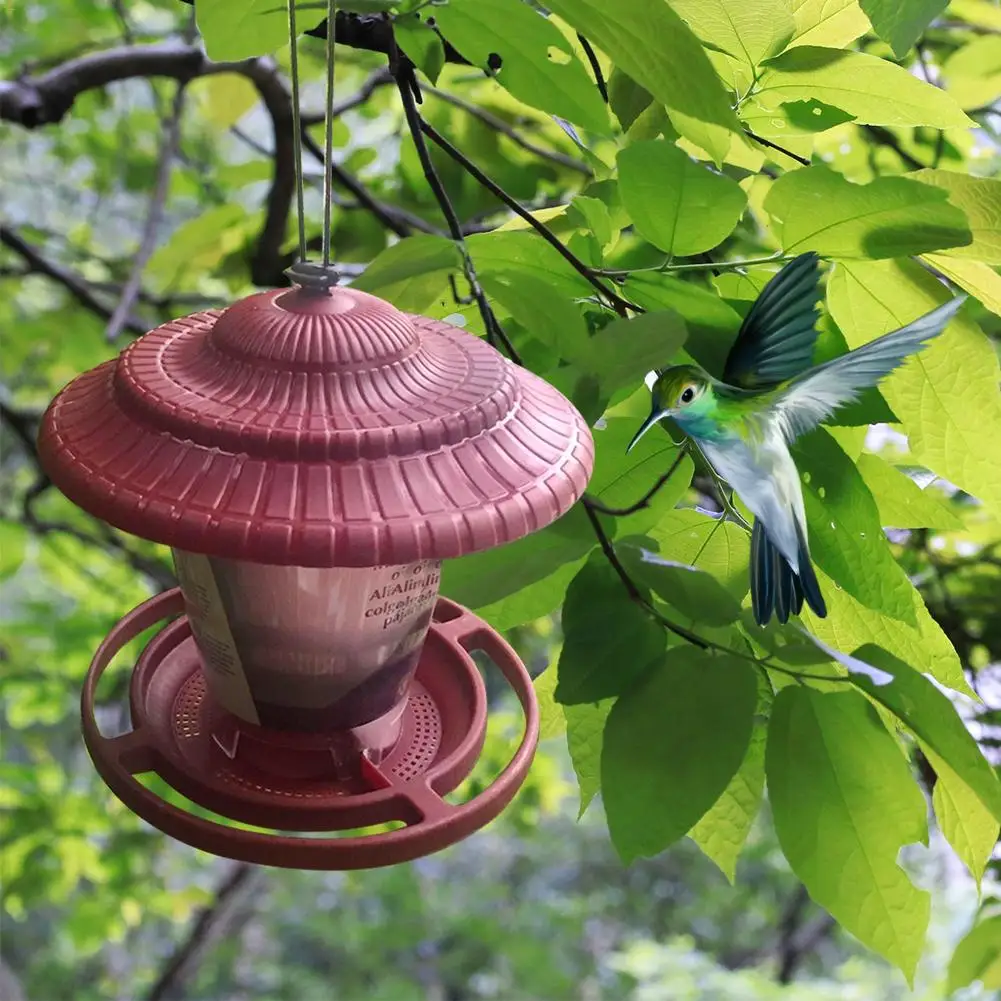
[[222, 916], [169, 146]]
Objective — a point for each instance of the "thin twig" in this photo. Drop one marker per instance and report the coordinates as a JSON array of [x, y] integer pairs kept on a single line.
[[169, 145], [619, 304], [499, 125], [644, 501], [773, 145], [599, 78]]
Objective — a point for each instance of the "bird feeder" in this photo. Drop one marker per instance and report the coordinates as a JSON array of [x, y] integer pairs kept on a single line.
[[311, 456]]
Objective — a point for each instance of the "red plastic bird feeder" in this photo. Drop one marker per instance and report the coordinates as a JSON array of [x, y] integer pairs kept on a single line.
[[310, 457]]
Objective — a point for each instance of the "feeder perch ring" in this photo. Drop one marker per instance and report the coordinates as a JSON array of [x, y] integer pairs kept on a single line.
[[408, 785]]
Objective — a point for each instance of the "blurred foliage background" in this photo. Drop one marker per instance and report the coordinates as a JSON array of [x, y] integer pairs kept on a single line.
[[102, 168]]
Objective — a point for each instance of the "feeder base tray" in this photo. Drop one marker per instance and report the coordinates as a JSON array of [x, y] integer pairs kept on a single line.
[[293, 783]]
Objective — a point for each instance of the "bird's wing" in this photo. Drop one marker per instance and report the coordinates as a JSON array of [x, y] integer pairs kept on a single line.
[[776, 340], [818, 393]]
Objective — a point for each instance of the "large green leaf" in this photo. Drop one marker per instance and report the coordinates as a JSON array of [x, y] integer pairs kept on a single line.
[[518, 253], [722, 831], [651, 43], [242, 29], [844, 803], [745, 32], [672, 745], [849, 624], [846, 537], [833, 23], [980, 280], [947, 395], [675, 203], [980, 200], [973, 73], [525, 54], [817, 209], [901, 502], [608, 639], [625, 350], [978, 956], [932, 717], [411, 273], [693, 592], [874, 90], [620, 478], [719, 547], [585, 729], [542, 311], [483, 579], [552, 721], [901, 23], [964, 821]]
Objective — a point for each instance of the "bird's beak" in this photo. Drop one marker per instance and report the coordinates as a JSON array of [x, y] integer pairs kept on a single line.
[[655, 416]]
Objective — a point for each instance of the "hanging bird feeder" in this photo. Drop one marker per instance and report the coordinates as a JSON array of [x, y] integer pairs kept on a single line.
[[310, 456]]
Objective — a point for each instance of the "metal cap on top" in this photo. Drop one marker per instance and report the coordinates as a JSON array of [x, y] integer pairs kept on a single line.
[[316, 429]]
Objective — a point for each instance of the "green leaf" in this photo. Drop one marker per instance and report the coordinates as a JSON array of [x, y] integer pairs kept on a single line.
[[199, 244], [901, 502], [973, 73], [672, 745], [480, 580], [947, 395], [624, 351], [849, 624], [627, 98], [585, 729], [421, 44], [525, 54], [980, 200], [693, 592], [794, 118], [518, 253], [874, 90], [13, 542], [900, 23], [595, 218], [817, 209], [845, 535], [712, 324], [226, 98], [980, 280], [978, 956], [608, 640], [651, 43], [718, 547], [552, 721], [548, 316], [932, 717], [746, 32], [675, 203], [721, 833], [411, 273], [833, 23], [964, 821], [620, 478], [242, 29], [844, 802]]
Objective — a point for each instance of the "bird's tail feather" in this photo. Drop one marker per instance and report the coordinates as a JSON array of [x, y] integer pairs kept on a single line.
[[775, 586]]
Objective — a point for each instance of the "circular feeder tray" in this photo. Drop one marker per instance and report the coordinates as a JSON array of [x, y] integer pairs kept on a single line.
[[290, 781]]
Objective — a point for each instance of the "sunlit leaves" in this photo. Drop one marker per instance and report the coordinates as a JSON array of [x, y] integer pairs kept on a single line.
[[672, 744], [844, 803], [902, 22], [871, 89], [947, 395], [980, 200], [722, 831], [651, 43], [901, 502], [832, 23], [973, 73], [608, 639], [411, 273], [526, 54], [678, 205], [978, 956], [846, 538], [241, 29], [817, 209]]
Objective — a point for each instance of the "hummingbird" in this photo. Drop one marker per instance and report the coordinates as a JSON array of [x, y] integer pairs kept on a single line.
[[770, 394]]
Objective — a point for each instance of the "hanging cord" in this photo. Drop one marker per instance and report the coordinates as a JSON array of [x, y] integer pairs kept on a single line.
[[316, 277]]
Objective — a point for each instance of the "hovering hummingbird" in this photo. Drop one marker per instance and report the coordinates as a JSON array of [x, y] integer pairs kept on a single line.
[[769, 395]]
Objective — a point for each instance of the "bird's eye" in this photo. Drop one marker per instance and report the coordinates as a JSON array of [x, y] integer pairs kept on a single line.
[[688, 395]]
